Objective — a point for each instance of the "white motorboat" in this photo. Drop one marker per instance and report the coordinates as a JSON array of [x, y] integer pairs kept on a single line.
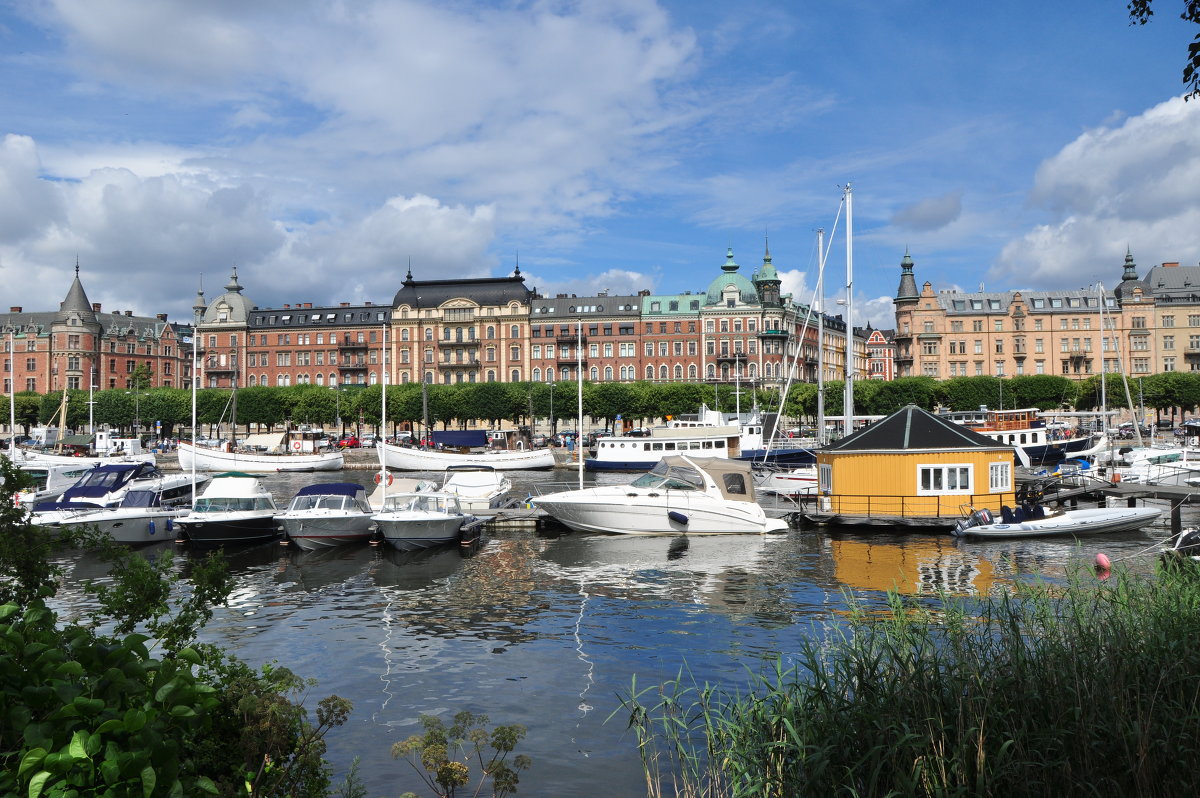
[[1041, 522], [1164, 466], [50, 480], [278, 458], [410, 458], [328, 514], [792, 482], [692, 495], [412, 521], [477, 487], [235, 508], [106, 485], [139, 518]]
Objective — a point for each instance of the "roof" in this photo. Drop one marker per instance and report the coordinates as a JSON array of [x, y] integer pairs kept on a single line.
[[747, 293], [717, 468], [912, 428], [482, 291]]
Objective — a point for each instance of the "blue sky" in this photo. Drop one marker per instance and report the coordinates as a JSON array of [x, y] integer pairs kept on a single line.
[[321, 146]]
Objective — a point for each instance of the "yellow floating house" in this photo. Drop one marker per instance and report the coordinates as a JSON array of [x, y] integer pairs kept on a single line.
[[912, 468]]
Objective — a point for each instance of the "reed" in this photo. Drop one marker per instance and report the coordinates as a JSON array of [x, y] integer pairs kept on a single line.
[[1088, 688]]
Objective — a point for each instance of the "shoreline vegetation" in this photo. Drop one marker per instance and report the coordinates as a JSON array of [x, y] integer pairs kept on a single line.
[[1087, 688]]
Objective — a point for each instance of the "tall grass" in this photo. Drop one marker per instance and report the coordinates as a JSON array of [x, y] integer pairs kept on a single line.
[[1084, 689]]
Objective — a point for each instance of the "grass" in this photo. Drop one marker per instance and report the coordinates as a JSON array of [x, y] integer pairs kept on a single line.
[[1085, 689]]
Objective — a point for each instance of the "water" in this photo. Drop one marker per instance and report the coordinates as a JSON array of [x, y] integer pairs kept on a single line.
[[548, 628]]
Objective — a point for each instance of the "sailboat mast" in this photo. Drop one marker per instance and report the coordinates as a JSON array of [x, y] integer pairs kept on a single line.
[[380, 444], [579, 438], [820, 336], [12, 398], [848, 399]]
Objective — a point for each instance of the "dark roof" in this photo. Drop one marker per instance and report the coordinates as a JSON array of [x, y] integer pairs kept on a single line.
[[913, 428], [482, 291]]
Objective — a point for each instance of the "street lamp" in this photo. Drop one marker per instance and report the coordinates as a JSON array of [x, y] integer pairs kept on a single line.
[[137, 411], [552, 425]]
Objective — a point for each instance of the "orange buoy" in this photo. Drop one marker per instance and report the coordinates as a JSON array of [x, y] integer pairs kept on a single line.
[[1102, 562]]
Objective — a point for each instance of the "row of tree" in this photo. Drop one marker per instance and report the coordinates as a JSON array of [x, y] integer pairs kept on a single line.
[[168, 411]]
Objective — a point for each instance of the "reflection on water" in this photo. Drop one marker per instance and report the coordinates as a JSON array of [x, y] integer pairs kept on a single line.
[[548, 628]]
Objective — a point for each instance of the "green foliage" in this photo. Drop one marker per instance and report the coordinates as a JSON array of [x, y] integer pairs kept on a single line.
[[1140, 12], [889, 397], [1087, 689], [442, 755]]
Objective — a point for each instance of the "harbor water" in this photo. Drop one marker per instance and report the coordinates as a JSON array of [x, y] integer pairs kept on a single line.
[[548, 628]]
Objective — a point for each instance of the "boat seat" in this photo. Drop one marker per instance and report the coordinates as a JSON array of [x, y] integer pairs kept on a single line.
[[1006, 515], [1018, 515], [1035, 512]]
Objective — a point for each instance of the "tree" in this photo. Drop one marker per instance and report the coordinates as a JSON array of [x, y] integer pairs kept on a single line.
[[1140, 12], [891, 396]]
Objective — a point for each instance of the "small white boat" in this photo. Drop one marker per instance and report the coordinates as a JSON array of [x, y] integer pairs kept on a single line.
[[50, 480], [1041, 522], [217, 459], [327, 515], [412, 521], [139, 518], [477, 487], [235, 508], [692, 495], [792, 482], [408, 458], [1184, 550]]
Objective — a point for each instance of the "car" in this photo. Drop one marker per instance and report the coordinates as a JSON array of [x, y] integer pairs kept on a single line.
[[368, 441], [348, 442], [540, 440]]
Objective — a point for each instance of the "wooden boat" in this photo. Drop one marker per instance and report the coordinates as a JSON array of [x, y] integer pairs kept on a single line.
[[1041, 522], [406, 458], [280, 459]]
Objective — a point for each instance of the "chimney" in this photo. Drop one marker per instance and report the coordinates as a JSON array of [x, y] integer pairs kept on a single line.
[[95, 307], [161, 317], [368, 304], [286, 306], [15, 309], [343, 304], [129, 313], [1171, 265], [308, 306]]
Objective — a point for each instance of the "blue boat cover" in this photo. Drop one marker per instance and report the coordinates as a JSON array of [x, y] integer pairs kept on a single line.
[[460, 437], [331, 489]]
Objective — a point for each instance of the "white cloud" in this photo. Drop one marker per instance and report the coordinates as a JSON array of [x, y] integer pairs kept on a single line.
[[932, 213], [1134, 185], [29, 203]]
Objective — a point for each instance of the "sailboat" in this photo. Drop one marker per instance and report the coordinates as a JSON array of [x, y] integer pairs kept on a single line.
[[280, 451]]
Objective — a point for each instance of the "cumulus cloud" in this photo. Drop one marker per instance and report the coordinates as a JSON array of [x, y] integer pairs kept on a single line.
[[30, 204], [616, 282], [1133, 185], [933, 213]]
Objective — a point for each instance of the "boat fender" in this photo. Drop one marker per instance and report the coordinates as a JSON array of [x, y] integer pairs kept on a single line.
[[151, 526], [170, 524], [677, 517]]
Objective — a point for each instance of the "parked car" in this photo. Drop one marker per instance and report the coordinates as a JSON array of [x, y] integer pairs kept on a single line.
[[368, 441], [540, 440], [348, 442]]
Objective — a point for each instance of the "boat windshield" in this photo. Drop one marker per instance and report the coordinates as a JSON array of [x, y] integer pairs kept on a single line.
[[670, 477], [218, 504], [319, 503], [428, 503]]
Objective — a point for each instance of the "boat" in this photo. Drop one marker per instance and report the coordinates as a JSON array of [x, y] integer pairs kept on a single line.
[[106, 485], [680, 495], [421, 520], [140, 517], [49, 480], [1025, 430], [412, 458], [1179, 466], [277, 452], [235, 508], [790, 482], [477, 487], [327, 514], [1036, 521], [1184, 550]]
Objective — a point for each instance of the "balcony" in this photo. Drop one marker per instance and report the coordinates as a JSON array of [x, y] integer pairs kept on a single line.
[[443, 365], [347, 345], [446, 343], [569, 340], [731, 357], [772, 333], [353, 365], [571, 360]]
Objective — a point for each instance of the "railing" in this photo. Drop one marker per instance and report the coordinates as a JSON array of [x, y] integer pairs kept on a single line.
[[877, 506]]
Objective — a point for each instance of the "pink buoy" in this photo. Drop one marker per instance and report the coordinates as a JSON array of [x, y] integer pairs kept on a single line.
[[1102, 562]]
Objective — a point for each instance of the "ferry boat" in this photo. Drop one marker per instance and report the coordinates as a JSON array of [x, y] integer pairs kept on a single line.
[[1025, 430], [704, 434]]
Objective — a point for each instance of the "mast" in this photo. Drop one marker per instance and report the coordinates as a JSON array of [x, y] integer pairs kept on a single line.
[[579, 380], [12, 398], [821, 336], [379, 445], [848, 399]]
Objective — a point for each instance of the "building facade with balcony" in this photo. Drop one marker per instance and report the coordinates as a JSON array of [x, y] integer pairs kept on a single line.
[[598, 333]]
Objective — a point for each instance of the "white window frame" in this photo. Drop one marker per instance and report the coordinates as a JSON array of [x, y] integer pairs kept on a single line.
[[1000, 477], [935, 479]]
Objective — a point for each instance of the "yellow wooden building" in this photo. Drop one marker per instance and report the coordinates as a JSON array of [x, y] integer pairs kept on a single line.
[[912, 468]]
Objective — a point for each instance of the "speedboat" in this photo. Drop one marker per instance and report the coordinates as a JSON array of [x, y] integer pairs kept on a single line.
[[326, 515], [412, 521], [791, 482], [234, 508], [477, 487], [1038, 522], [139, 518], [50, 480], [692, 495], [106, 485]]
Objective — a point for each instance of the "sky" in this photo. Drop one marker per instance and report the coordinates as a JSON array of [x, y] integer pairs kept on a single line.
[[325, 148]]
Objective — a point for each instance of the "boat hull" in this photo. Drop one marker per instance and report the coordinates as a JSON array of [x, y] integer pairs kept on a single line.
[[404, 458], [407, 532], [229, 528], [131, 527], [205, 459], [1072, 522], [311, 532], [633, 511]]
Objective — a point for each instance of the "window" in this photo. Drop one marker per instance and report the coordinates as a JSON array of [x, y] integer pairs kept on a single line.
[[999, 477], [943, 479]]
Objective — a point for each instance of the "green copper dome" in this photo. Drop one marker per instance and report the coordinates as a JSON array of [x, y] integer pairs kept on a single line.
[[729, 277]]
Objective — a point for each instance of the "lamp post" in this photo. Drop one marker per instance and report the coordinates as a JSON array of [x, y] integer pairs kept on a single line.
[[552, 425], [137, 411]]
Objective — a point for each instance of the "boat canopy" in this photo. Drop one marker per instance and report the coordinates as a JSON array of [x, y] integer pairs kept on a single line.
[[332, 489], [460, 437], [733, 478], [106, 478]]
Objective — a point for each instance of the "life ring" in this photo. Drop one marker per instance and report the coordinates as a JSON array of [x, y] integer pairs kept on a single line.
[[296, 445], [380, 476]]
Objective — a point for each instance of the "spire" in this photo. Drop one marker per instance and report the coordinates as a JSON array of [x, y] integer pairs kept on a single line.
[[1130, 266], [199, 306], [232, 286], [517, 271], [408, 277], [76, 302], [730, 265], [908, 282]]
